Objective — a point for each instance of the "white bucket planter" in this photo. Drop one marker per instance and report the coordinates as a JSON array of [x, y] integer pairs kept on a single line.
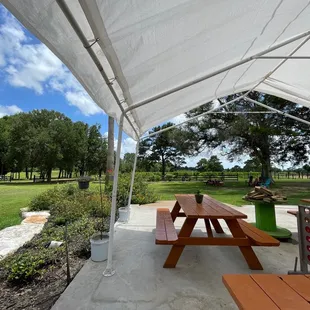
[[99, 247], [124, 214]]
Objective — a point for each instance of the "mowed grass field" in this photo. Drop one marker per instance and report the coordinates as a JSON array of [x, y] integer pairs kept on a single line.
[[232, 192], [13, 197]]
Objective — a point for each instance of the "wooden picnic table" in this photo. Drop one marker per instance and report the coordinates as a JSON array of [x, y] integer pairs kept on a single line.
[[244, 235], [268, 291]]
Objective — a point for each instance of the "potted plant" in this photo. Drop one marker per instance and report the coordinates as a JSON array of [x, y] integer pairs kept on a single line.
[[199, 197], [84, 182], [99, 242]]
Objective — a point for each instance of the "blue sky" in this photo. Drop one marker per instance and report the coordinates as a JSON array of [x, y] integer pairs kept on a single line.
[[32, 77]]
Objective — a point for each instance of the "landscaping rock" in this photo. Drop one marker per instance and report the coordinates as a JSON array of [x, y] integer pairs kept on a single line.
[[12, 238], [25, 214], [35, 219]]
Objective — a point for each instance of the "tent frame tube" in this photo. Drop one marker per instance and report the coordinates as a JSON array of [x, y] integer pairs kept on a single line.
[[283, 57], [133, 173], [278, 111], [69, 16]]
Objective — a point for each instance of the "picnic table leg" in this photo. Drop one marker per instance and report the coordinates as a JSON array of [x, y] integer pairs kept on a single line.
[[177, 250], [246, 251], [175, 211], [217, 226], [208, 228]]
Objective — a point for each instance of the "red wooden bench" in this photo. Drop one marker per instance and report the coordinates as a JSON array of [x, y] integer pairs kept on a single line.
[[165, 230], [257, 237]]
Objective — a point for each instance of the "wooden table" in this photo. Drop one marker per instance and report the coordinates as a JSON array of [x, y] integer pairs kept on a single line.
[[305, 200], [210, 210], [268, 291]]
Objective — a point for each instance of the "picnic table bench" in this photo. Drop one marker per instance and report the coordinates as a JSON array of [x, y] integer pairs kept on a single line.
[[244, 235], [268, 291]]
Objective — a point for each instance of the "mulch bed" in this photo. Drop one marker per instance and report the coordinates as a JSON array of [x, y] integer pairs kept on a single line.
[[41, 294]]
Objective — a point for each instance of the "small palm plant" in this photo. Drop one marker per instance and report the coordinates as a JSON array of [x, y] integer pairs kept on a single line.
[[199, 197]]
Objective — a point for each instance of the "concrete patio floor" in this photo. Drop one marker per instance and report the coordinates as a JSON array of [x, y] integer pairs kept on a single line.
[[141, 283]]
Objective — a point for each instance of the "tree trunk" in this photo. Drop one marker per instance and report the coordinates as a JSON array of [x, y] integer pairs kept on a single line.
[[110, 157], [49, 175], [266, 169], [163, 168], [59, 174], [27, 173], [31, 171]]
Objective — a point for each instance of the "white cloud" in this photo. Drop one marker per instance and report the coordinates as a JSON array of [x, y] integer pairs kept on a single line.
[[178, 119], [34, 66], [9, 110], [129, 145]]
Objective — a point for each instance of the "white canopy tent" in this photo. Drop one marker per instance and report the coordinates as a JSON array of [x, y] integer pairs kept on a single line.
[[144, 61]]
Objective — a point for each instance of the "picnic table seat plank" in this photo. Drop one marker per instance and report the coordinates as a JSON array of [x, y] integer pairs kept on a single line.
[[247, 294], [165, 230], [257, 236], [280, 292], [299, 283]]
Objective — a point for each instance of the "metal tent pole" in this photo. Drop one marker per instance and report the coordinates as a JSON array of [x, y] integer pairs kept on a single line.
[[75, 26], [109, 271], [194, 117], [278, 111], [283, 57], [133, 173]]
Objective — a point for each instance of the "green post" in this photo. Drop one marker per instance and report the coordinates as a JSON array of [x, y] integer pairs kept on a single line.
[[265, 216], [266, 220]]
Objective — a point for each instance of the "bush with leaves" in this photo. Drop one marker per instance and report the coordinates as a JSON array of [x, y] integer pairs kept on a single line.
[[47, 199], [35, 258], [141, 193]]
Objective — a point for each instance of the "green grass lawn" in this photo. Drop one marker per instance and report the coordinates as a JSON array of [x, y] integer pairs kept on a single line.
[[14, 197], [232, 192]]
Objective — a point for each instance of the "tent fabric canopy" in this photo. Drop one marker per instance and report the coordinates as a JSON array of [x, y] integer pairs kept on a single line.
[[153, 46]]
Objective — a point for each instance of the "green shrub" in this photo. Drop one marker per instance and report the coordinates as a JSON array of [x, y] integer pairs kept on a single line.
[[68, 203], [47, 199], [34, 258], [141, 194], [169, 177], [29, 265]]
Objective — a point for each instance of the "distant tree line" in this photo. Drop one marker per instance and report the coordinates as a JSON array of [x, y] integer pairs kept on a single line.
[[43, 140]]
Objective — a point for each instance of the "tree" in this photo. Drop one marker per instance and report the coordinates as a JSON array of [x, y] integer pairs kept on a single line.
[[202, 164], [4, 144], [236, 168], [214, 164], [267, 137], [252, 165], [166, 146], [127, 162]]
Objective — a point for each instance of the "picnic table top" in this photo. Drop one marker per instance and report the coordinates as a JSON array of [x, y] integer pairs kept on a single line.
[[209, 208], [268, 291]]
